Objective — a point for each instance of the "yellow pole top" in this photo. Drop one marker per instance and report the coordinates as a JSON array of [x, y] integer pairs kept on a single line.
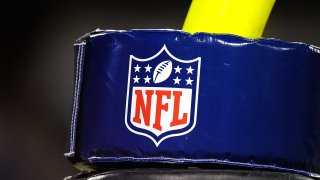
[[245, 18]]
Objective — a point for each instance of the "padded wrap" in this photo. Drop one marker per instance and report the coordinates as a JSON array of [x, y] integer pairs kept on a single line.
[[254, 103]]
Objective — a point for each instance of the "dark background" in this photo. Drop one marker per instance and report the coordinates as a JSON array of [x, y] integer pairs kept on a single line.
[[36, 70]]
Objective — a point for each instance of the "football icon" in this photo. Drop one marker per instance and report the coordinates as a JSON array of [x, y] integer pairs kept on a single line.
[[162, 71]]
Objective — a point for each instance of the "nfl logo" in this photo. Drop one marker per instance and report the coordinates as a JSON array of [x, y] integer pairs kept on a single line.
[[162, 96]]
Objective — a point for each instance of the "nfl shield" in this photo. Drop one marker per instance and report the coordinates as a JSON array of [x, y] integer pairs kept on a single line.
[[162, 95]]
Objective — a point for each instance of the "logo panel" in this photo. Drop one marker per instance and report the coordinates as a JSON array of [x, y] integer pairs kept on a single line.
[[162, 96]]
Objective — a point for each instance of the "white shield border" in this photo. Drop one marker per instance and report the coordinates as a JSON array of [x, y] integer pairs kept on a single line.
[[164, 48]]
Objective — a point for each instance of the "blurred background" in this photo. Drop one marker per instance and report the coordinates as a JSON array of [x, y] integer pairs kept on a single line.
[[36, 70]]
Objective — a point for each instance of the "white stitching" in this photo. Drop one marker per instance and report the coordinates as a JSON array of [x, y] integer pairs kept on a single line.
[[79, 44], [76, 96], [185, 160], [78, 89], [74, 101]]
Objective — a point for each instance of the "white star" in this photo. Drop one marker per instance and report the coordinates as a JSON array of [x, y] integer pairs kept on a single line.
[[136, 79], [148, 68], [189, 70], [178, 69], [137, 68], [177, 80], [147, 79], [189, 81]]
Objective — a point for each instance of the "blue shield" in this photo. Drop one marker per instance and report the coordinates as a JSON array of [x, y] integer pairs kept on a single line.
[[162, 95]]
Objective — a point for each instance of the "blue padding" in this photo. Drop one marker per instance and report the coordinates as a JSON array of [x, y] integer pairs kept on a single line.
[[168, 96]]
